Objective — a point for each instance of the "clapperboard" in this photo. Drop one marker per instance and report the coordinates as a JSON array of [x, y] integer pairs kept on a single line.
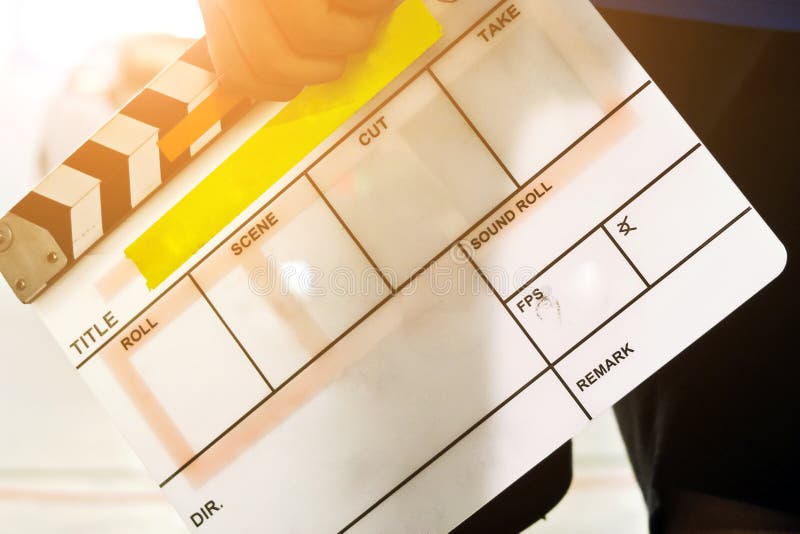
[[376, 307]]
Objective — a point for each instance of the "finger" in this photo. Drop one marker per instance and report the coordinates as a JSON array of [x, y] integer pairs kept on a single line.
[[270, 53], [236, 74], [313, 28], [366, 7]]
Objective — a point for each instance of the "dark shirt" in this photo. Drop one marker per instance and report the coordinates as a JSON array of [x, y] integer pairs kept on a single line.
[[773, 14], [721, 419]]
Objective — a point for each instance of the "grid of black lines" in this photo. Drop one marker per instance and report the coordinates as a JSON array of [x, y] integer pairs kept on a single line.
[[551, 365], [393, 290]]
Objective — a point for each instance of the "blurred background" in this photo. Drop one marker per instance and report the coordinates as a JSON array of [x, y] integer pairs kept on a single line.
[[64, 67]]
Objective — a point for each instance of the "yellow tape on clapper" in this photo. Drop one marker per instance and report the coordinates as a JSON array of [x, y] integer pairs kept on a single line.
[[280, 145]]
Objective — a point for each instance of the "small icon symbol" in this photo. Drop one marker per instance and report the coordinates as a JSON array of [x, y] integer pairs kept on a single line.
[[625, 227]]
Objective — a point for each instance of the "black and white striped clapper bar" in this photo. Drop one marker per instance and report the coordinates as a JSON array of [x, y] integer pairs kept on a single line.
[[107, 177]]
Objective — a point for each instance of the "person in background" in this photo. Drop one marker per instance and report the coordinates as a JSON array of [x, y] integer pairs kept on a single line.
[[714, 436]]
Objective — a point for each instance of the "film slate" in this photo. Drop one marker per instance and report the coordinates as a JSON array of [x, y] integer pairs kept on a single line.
[[375, 308]]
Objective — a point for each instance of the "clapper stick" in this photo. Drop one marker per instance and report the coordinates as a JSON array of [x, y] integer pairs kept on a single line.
[[158, 133]]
